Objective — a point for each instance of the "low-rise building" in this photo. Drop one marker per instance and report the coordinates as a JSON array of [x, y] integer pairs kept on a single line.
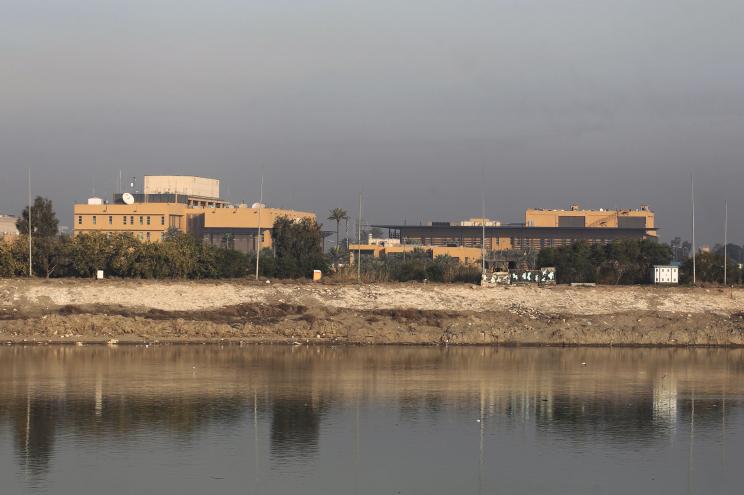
[[464, 255], [541, 229], [237, 227]]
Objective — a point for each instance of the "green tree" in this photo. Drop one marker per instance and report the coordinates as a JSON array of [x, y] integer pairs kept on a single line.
[[337, 214], [298, 248], [43, 219]]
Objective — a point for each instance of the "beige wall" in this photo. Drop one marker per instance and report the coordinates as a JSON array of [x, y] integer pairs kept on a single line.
[[182, 184], [248, 217], [594, 218], [463, 254]]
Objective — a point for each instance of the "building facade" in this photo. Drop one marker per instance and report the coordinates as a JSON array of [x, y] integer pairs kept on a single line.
[[188, 204], [237, 227], [465, 255], [8, 230], [542, 229]]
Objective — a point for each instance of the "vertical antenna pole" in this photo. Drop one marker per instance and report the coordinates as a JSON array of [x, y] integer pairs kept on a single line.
[[725, 242], [694, 267], [359, 241], [258, 240], [483, 234], [30, 264]]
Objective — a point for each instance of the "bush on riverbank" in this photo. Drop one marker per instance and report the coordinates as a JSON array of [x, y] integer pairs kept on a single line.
[[709, 269], [122, 255], [417, 266], [620, 262]]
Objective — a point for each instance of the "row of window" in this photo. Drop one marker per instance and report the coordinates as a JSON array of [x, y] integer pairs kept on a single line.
[[142, 236], [143, 220]]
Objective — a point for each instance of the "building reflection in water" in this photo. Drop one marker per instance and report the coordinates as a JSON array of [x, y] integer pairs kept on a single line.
[[637, 396]]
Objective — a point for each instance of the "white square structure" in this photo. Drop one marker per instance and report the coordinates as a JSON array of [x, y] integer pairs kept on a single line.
[[664, 274]]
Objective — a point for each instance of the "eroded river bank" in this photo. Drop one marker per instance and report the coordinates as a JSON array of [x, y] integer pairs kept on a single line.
[[72, 311]]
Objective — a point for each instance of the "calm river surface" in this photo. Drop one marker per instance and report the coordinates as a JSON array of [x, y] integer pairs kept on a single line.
[[370, 420]]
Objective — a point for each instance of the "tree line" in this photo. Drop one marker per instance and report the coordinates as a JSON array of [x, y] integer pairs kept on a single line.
[[297, 251]]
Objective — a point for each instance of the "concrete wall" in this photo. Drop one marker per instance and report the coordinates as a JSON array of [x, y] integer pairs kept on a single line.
[[182, 184], [593, 218]]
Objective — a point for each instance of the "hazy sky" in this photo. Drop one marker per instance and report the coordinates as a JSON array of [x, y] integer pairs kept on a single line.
[[420, 104]]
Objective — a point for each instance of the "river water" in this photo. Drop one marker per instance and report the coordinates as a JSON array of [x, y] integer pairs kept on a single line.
[[370, 420]]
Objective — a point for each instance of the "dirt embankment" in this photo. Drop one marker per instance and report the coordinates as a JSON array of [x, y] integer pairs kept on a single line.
[[144, 311]]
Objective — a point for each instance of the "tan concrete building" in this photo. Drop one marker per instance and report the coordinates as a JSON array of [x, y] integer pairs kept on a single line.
[[541, 229], [579, 218], [8, 230], [237, 227], [186, 204], [145, 221]]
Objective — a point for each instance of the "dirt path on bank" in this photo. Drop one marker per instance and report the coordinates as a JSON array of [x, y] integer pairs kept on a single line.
[[158, 311]]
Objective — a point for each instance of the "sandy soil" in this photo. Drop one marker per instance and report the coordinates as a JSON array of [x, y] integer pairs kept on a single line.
[[147, 311]]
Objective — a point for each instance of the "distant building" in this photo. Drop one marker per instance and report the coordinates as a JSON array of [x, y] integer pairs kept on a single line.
[[8, 230], [464, 255], [541, 229], [185, 203]]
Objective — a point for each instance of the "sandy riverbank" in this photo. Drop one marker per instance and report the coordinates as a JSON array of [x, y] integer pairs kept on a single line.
[[149, 311]]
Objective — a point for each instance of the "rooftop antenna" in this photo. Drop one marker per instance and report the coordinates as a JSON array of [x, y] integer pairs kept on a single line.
[[258, 240], [692, 194], [30, 271]]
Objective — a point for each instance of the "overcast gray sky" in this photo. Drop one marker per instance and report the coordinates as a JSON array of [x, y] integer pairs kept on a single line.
[[421, 104]]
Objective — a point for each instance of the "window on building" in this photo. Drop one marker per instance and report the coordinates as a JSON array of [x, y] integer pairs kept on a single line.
[[80, 220], [148, 220], [131, 219], [111, 219], [139, 236], [148, 234], [94, 219], [162, 220], [125, 219], [140, 220]]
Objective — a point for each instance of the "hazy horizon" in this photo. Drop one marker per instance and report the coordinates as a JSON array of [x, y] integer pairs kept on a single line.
[[421, 105]]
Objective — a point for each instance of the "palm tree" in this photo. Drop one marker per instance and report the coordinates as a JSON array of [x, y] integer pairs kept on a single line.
[[337, 214]]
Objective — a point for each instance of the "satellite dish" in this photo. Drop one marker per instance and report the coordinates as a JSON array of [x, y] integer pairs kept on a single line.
[[127, 198]]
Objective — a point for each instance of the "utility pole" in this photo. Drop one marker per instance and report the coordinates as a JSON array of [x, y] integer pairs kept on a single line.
[[30, 264], [725, 242], [692, 194], [359, 242], [258, 240], [483, 234]]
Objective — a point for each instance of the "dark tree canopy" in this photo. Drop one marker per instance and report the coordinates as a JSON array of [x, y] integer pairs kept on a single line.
[[620, 262], [44, 221], [298, 247]]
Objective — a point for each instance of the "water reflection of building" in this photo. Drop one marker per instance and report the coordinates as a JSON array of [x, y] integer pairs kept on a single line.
[[631, 394]]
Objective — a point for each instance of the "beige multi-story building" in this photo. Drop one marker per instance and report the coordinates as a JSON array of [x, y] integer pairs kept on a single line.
[[187, 204], [145, 221]]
